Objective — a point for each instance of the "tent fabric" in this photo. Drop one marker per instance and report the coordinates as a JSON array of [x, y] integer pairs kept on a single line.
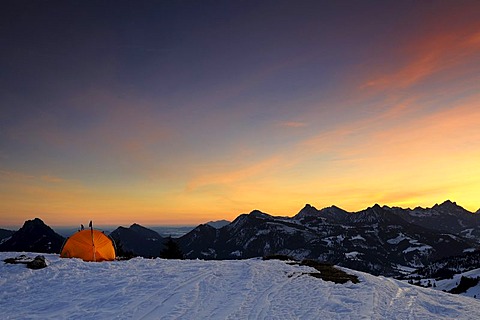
[[80, 245]]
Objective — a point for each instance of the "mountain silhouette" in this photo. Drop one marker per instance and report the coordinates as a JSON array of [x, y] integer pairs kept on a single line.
[[34, 236]]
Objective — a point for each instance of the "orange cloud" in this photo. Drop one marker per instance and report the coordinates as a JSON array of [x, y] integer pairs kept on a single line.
[[428, 55]]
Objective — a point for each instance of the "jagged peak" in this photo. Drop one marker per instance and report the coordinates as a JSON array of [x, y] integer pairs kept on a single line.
[[376, 206], [308, 208], [448, 205]]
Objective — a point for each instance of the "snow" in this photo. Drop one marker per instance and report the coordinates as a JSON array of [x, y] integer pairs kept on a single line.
[[420, 248], [334, 239], [5, 239], [416, 245], [280, 227], [209, 252], [398, 239], [358, 237], [328, 241], [197, 289], [404, 269], [352, 255], [262, 232], [423, 213], [401, 237], [467, 233], [236, 254], [448, 284]]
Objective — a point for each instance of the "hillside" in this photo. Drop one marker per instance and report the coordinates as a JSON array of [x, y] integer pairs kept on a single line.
[[138, 240], [463, 283], [446, 268], [5, 234], [196, 289]]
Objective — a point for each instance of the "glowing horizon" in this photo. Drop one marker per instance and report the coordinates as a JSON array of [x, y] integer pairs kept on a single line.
[[185, 113]]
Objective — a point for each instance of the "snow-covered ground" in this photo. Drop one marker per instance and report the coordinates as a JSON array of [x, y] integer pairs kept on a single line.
[[448, 284], [195, 289]]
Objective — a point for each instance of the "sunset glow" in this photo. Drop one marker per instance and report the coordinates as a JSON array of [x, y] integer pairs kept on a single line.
[[182, 113]]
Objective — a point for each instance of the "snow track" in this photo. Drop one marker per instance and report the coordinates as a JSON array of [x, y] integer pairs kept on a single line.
[[195, 289]]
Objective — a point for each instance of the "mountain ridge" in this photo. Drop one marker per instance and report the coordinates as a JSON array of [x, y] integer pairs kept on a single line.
[[379, 239]]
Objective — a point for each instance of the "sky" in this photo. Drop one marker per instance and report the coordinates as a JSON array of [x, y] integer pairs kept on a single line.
[[182, 112]]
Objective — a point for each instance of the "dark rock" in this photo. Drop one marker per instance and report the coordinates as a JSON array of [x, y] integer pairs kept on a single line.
[[38, 263], [20, 259]]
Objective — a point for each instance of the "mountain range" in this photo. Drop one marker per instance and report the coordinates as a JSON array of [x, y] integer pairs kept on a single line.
[[384, 240], [378, 240]]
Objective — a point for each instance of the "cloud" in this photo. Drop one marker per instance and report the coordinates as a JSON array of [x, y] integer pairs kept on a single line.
[[19, 178], [52, 179], [292, 124], [428, 55], [15, 175]]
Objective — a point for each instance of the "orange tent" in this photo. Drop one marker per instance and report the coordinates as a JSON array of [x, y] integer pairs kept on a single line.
[[89, 245]]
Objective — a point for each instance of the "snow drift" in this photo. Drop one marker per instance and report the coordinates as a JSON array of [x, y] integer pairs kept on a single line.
[[195, 289]]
